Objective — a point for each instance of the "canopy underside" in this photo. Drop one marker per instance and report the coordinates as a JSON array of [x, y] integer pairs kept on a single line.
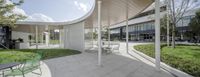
[[114, 11]]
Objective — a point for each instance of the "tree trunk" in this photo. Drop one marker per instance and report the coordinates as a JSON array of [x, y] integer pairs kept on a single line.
[[173, 35]]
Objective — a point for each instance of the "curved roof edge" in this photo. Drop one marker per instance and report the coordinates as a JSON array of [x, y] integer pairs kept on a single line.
[[64, 22]]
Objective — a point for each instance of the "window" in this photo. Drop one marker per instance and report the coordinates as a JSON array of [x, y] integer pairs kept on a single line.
[[149, 26], [152, 26]]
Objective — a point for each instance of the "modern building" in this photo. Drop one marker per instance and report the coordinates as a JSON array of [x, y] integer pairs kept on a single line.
[[142, 26], [76, 34]]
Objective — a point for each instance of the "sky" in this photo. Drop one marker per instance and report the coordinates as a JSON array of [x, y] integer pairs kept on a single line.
[[54, 10]]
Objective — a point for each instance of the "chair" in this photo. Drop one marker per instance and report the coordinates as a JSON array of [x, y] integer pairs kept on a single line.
[[26, 67], [115, 46]]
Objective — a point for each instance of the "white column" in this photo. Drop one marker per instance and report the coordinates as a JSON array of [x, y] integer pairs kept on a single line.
[[36, 36], [60, 38], [47, 36], [99, 34], [109, 36], [108, 31], [42, 38], [168, 11], [157, 33], [127, 32], [62, 35], [92, 36]]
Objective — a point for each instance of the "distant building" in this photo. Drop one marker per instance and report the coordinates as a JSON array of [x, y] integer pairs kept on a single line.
[[142, 28]]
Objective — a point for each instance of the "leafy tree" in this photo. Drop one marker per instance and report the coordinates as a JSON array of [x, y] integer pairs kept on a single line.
[[7, 16], [194, 27], [105, 33], [163, 25], [177, 10], [95, 34]]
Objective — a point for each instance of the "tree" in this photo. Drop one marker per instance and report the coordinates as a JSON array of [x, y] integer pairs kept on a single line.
[[194, 27], [7, 16], [163, 25], [178, 8], [105, 33], [95, 34]]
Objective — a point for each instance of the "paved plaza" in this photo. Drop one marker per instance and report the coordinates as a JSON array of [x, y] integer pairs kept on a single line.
[[117, 64]]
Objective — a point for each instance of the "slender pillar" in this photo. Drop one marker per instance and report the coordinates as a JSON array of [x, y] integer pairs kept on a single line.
[[36, 36], [157, 33], [127, 32], [60, 38], [99, 34], [108, 28], [168, 11], [47, 36], [42, 38], [93, 36], [109, 36]]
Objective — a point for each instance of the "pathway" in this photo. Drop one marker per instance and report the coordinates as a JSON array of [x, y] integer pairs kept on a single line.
[[117, 64]]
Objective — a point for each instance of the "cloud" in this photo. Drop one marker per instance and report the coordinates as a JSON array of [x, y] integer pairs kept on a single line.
[[8, 2], [81, 6], [19, 11], [39, 18], [35, 17], [16, 10]]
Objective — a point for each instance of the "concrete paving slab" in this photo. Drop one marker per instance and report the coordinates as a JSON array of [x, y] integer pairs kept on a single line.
[[114, 65]]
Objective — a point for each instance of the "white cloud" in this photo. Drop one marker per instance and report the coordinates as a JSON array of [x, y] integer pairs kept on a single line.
[[81, 6], [35, 17], [16, 10], [39, 18], [19, 11], [8, 2]]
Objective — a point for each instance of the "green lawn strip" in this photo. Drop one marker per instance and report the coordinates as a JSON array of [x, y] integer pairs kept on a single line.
[[54, 42], [183, 57], [47, 53], [15, 56]]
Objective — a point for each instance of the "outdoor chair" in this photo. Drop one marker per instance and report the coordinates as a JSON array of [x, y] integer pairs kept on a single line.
[[115, 46], [27, 67]]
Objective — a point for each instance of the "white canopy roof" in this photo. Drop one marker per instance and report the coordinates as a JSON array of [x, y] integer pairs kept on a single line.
[[112, 10]]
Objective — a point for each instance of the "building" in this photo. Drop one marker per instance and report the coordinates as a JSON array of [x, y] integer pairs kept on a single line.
[[142, 28], [74, 34]]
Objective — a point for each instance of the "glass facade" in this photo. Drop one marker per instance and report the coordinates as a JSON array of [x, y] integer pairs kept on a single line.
[[115, 31], [184, 21], [145, 31], [141, 31], [141, 27]]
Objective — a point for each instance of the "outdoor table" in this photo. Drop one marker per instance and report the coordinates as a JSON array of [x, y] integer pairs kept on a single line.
[[6, 66]]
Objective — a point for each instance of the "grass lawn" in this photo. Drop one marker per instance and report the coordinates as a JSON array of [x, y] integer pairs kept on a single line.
[[183, 57], [54, 42], [21, 54]]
